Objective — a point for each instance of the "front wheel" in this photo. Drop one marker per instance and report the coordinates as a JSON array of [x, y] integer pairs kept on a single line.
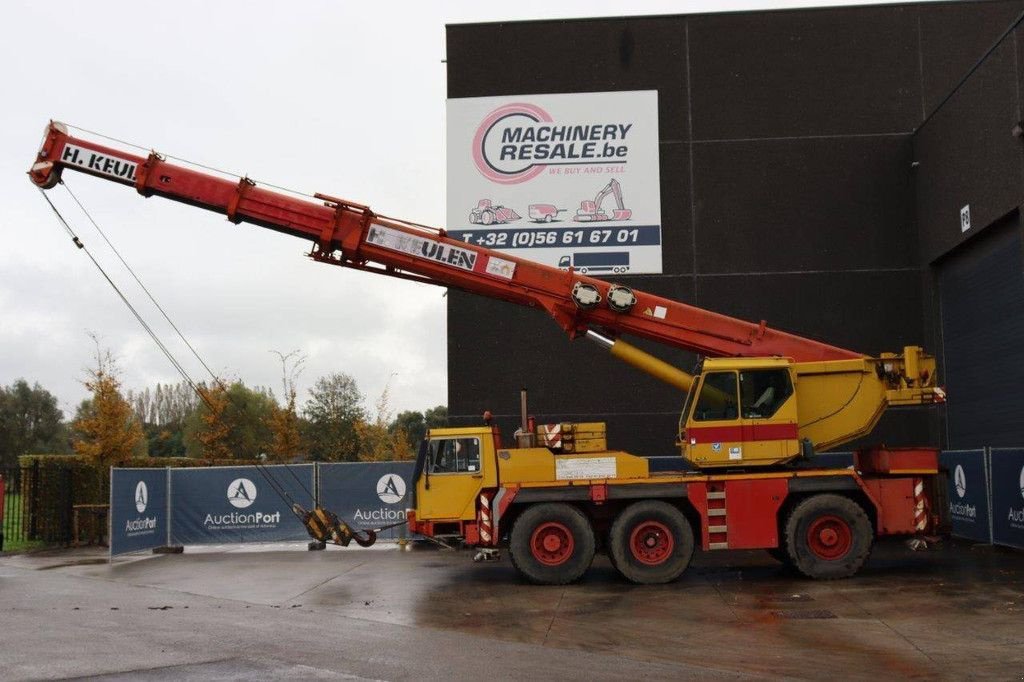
[[552, 544], [650, 542], [828, 537]]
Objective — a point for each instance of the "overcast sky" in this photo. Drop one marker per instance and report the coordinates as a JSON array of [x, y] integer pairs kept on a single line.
[[343, 98]]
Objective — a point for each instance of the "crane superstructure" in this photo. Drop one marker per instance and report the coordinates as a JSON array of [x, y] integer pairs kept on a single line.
[[761, 402]]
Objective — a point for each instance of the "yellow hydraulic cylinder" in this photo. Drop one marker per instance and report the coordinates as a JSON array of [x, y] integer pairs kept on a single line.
[[645, 362]]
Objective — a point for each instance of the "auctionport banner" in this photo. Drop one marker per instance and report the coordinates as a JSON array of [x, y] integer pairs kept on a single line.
[[568, 180], [138, 509], [968, 493], [1007, 468], [238, 504], [368, 494]]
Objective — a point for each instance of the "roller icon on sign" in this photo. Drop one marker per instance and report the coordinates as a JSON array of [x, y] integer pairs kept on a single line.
[[486, 213]]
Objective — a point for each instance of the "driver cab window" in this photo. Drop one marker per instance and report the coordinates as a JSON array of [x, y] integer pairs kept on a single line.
[[454, 455], [763, 392], [717, 399]]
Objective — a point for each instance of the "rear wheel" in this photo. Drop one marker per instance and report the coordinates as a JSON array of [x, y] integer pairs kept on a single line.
[[828, 537], [650, 542], [552, 544]]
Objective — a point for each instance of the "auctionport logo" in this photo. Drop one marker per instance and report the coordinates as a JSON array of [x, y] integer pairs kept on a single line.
[[141, 496], [241, 493], [390, 489], [517, 142], [960, 481]]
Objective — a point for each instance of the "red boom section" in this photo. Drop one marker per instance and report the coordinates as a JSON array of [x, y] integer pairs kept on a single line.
[[351, 235]]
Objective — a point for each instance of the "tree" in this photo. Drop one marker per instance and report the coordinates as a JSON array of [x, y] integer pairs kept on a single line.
[[163, 412], [333, 409], [286, 440], [29, 422], [106, 428], [378, 443], [415, 424], [233, 422]]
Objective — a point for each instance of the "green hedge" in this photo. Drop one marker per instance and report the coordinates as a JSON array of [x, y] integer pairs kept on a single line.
[[52, 484]]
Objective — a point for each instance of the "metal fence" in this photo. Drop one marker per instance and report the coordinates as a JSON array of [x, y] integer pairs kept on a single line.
[[37, 505], [13, 529]]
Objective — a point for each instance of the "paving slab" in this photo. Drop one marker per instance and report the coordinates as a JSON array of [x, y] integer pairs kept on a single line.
[[279, 612]]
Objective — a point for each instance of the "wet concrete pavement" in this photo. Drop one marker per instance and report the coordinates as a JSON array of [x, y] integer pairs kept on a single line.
[[283, 613]]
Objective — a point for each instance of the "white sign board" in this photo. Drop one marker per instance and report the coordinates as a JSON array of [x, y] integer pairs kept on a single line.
[[567, 180], [584, 468]]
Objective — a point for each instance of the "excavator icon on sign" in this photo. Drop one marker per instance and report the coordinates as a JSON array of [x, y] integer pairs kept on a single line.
[[591, 211]]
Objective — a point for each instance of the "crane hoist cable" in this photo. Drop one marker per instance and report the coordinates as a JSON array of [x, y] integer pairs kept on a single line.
[[275, 485]]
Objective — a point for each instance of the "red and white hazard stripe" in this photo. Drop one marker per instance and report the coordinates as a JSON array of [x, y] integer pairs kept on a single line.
[[920, 505], [553, 435], [486, 524]]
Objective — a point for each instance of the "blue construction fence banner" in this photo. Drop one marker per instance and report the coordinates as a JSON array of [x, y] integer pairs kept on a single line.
[[239, 504], [1007, 468], [368, 494], [968, 493], [138, 509]]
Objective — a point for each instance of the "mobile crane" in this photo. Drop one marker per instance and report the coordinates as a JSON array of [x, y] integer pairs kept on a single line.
[[760, 405]]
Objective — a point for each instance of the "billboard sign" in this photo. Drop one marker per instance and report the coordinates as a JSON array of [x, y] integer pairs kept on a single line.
[[967, 493], [238, 504], [1008, 497], [368, 495], [138, 509], [568, 180]]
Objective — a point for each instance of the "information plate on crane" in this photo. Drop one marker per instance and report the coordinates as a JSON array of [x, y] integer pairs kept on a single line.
[[569, 180]]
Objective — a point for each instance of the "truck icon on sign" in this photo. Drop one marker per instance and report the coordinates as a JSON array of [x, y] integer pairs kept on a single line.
[[601, 261]]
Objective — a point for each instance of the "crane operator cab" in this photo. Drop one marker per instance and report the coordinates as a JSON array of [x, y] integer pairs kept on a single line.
[[741, 412]]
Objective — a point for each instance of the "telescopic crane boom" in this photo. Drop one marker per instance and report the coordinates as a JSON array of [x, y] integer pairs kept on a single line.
[[847, 391]]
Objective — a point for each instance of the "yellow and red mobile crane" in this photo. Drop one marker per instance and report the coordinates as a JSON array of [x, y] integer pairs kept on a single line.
[[760, 405]]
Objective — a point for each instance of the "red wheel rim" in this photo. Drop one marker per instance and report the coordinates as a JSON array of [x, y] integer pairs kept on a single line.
[[829, 537], [651, 542], [551, 543]]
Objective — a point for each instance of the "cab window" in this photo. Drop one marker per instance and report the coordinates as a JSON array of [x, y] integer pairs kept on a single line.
[[453, 455], [717, 400], [763, 391]]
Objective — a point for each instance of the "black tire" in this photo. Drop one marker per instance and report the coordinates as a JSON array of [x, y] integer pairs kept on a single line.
[[650, 542], [828, 537], [552, 544], [780, 554]]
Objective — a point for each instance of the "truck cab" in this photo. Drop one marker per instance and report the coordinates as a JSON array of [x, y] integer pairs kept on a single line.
[[453, 466], [741, 412]]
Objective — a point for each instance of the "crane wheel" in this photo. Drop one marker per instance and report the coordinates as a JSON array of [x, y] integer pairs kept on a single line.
[[552, 544], [828, 537], [650, 542]]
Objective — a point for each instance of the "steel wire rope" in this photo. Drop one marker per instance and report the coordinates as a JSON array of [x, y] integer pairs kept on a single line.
[[232, 174], [260, 467], [190, 162]]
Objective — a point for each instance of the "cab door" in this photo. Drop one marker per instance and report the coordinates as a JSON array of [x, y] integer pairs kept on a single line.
[[714, 431], [451, 479], [769, 416]]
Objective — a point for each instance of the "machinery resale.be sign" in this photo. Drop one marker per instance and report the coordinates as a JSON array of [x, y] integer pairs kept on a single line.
[[138, 509], [568, 180]]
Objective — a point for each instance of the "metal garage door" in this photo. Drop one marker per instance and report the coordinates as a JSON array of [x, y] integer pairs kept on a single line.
[[981, 289]]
